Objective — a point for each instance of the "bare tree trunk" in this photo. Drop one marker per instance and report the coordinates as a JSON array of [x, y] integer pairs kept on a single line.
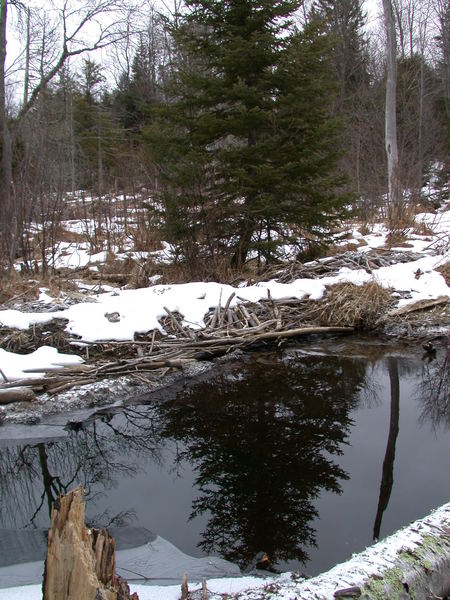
[[72, 142], [420, 127], [399, 14], [394, 199], [26, 82], [99, 152], [7, 228]]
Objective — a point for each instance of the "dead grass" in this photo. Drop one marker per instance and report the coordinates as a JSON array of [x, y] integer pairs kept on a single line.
[[205, 269], [336, 250], [445, 272], [350, 305], [396, 239], [19, 287], [72, 237], [422, 229], [144, 238], [58, 284], [23, 288], [401, 217]]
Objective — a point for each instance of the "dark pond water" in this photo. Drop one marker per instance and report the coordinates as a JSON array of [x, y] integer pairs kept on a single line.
[[307, 454]]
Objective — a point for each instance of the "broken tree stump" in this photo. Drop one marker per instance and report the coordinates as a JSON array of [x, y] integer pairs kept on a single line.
[[80, 562]]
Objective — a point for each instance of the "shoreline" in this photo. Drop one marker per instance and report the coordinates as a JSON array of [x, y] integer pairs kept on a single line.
[[79, 403]]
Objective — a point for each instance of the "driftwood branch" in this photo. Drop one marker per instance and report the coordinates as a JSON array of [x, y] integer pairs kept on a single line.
[[166, 353]]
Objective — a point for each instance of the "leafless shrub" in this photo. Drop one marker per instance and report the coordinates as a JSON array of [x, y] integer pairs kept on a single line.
[[422, 228], [18, 287]]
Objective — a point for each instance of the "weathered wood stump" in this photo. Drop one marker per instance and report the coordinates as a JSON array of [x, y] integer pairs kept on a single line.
[[80, 562]]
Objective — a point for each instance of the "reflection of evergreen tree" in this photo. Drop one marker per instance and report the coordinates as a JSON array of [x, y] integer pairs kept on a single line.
[[262, 448]]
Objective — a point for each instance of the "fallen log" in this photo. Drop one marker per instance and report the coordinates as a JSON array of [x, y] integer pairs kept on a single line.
[[80, 562], [27, 382], [16, 394], [251, 339]]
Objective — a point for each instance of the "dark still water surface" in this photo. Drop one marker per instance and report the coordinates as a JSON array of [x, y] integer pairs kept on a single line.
[[306, 454]]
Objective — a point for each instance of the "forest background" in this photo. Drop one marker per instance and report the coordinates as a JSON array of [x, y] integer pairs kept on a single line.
[[231, 129]]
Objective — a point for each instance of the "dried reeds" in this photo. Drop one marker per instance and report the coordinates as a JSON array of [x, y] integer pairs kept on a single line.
[[350, 305], [445, 272]]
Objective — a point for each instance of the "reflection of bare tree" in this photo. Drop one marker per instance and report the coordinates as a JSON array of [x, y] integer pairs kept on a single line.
[[370, 394], [94, 454], [387, 479], [434, 391]]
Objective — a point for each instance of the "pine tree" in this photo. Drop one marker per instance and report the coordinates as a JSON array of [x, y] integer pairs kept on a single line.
[[97, 136], [247, 139]]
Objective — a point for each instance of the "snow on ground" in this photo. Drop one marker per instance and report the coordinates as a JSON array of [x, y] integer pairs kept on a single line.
[[74, 255], [146, 592], [373, 562], [118, 314]]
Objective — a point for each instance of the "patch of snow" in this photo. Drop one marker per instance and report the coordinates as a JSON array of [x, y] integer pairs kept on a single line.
[[15, 319], [164, 256], [44, 298], [417, 277], [157, 561], [376, 239], [17, 366]]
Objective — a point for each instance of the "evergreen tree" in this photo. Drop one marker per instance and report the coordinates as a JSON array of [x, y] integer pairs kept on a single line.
[[136, 93], [247, 139], [97, 135]]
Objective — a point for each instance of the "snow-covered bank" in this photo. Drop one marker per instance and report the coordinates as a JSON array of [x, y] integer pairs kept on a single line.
[[412, 563], [16, 366], [119, 315]]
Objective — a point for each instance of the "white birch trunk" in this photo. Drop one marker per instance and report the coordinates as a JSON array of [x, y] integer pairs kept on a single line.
[[390, 115], [6, 231]]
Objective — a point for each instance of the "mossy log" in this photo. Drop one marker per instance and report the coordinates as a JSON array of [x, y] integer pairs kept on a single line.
[[80, 562]]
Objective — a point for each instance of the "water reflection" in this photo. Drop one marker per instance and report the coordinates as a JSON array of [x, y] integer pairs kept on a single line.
[[434, 391], [387, 479], [95, 455], [263, 450], [264, 440]]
